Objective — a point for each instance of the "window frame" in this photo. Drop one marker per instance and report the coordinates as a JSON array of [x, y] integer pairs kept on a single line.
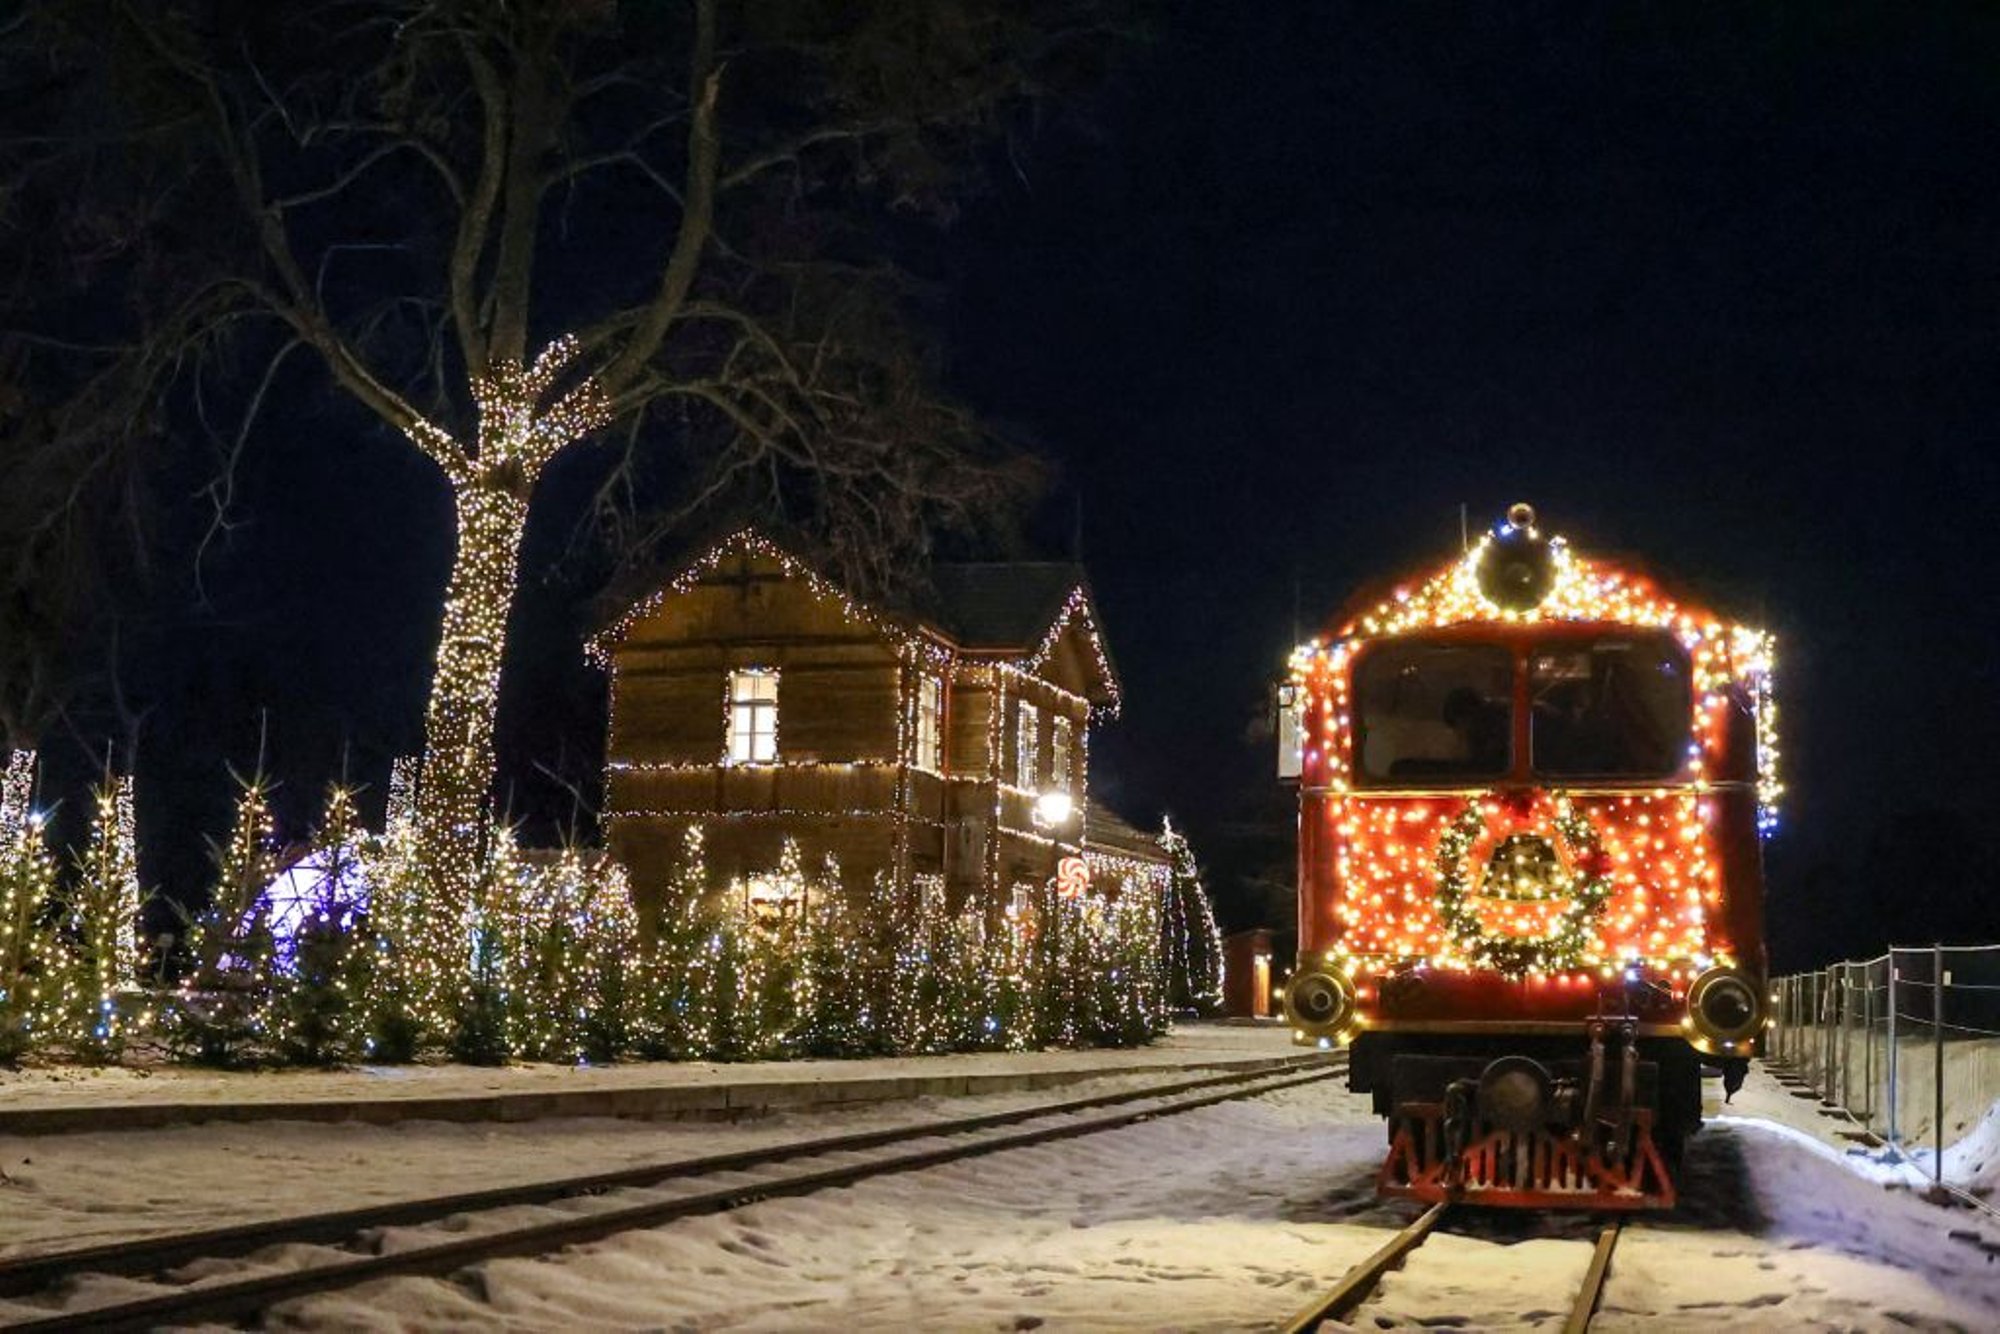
[[928, 752], [1358, 730], [1586, 642], [1062, 753], [739, 709], [1027, 745]]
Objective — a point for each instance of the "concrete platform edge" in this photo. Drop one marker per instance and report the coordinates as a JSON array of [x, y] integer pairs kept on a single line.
[[663, 1101]]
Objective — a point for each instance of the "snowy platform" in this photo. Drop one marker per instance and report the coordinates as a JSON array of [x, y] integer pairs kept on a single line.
[[71, 1100]]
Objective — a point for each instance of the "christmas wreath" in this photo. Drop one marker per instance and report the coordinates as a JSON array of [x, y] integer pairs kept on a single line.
[[1588, 885]]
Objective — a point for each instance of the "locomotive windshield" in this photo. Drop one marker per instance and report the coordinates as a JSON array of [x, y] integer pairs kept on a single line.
[[1616, 707], [1431, 713]]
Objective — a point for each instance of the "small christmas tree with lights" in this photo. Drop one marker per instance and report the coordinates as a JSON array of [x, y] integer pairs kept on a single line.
[[27, 879], [320, 1012], [676, 1009], [1190, 943], [99, 958], [220, 1015]]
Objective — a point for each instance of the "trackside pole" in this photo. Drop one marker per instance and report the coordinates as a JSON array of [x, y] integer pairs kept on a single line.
[[1937, 1062], [1868, 1045], [1846, 999], [1893, 1055]]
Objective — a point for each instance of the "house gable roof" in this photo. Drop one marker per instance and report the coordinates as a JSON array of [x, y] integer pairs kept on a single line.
[[1024, 613]]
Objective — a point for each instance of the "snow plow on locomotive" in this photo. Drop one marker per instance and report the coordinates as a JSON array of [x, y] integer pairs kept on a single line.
[[1532, 794]]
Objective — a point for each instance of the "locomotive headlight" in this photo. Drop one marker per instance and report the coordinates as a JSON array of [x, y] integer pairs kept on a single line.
[[1724, 1007], [1320, 1003]]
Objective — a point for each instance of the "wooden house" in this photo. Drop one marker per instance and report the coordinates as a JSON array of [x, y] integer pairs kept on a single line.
[[755, 698]]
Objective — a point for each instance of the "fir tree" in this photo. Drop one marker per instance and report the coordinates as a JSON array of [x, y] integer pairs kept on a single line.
[[677, 965], [221, 1014], [1190, 945], [613, 976], [479, 1032], [27, 879], [100, 954], [401, 1004], [320, 1015]]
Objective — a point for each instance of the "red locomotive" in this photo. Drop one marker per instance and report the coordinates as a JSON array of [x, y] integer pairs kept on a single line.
[[1533, 789]]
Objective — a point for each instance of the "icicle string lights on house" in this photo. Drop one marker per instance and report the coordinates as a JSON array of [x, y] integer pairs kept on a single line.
[[1633, 879], [1076, 607], [750, 542]]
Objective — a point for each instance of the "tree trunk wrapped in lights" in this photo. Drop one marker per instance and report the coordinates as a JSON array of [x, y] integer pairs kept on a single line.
[[523, 424]]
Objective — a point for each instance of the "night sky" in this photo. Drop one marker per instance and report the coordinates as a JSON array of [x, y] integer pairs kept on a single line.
[[1719, 285]]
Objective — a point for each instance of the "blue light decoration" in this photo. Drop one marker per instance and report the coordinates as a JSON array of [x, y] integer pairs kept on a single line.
[[327, 885]]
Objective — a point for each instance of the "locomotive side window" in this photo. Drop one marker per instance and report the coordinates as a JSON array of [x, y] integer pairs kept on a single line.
[[1434, 713], [1616, 707]]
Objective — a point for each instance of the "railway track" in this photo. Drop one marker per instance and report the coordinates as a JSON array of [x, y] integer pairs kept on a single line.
[[1359, 1282], [36, 1291]]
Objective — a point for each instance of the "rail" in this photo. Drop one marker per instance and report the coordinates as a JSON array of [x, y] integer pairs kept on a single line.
[[1358, 1283]]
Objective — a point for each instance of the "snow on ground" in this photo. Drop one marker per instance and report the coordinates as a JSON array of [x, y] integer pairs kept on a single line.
[[1971, 1110], [78, 1189], [1226, 1218], [70, 1086], [1231, 1218], [1972, 1162]]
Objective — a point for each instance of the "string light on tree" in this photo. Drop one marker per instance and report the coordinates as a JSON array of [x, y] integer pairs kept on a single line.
[[100, 955], [520, 431]]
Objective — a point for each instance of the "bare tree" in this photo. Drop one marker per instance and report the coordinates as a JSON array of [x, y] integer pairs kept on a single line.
[[501, 226]]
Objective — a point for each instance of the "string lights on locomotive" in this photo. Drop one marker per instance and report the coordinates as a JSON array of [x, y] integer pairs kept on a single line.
[[1468, 885]]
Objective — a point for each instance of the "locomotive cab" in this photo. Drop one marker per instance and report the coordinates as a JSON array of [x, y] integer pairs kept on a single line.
[[1531, 795]]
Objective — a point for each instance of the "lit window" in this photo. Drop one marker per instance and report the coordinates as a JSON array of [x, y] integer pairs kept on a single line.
[[930, 719], [753, 716], [1027, 745], [1061, 773]]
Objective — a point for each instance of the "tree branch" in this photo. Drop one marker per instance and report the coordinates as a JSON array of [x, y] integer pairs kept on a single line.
[[477, 215], [697, 217], [530, 116]]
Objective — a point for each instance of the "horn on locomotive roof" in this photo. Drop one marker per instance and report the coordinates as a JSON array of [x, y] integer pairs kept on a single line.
[[1516, 570]]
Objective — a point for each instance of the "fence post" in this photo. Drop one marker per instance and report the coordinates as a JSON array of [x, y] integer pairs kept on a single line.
[[1846, 994], [1867, 1047], [1937, 1059], [1894, 1056], [1788, 1020]]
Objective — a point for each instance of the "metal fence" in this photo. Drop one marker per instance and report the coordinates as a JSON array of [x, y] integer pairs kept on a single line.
[[1908, 1043]]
